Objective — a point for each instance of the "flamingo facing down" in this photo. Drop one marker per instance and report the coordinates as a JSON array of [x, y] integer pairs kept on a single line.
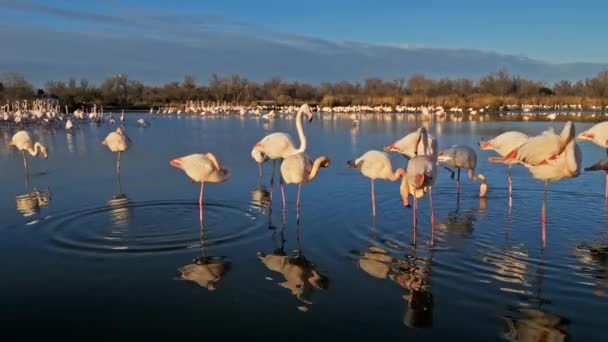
[[202, 168], [464, 157], [504, 144], [377, 165], [24, 142], [300, 169], [599, 135], [117, 141], [280, 145], [419, 179]]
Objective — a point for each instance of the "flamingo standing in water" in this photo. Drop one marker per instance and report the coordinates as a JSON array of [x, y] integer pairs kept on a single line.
[[462, 156], [279, 145], [202, 168], [300, 169], [377, 165], [549, 157], [24, 142], [420, 177], [598, 134], [504, 144], [117, 141]]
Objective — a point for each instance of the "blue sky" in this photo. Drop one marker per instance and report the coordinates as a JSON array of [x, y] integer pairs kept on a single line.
[[550, 31]]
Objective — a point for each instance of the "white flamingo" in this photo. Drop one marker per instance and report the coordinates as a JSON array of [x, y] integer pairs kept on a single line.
[[300, 169], [598, 134], [279, 145], [117, 142], [504, 144], [377, 165], [202, 168], [24, 142]]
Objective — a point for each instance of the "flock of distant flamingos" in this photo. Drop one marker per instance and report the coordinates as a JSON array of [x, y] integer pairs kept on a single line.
[[548, 156]]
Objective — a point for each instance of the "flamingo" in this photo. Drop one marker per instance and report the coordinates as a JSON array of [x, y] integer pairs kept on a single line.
[[419, 179], [117, 141], [377, 165], [504, 144], [462, 156], [69, 125], [419, 142], [300, 169], [598, 134], [566, 164], [202, 168], [279, 145], [24, 142]]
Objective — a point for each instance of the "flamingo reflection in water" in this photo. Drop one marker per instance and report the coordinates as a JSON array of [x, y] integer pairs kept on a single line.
[[410, 272], [29, 204], [301, 276]]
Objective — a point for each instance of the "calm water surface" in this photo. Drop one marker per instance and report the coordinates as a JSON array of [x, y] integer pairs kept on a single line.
[[86, 255]]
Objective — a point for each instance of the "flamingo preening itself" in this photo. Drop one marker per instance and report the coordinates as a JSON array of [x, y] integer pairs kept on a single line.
[[377, 165], [464, 157], [279, 145], [117, 141], [300, 169], [202, 168], [598, 134], [504, 144], [419, 179], [24, 142]]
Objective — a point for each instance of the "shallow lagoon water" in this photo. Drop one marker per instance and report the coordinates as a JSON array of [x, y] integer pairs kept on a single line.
[[85, 255]]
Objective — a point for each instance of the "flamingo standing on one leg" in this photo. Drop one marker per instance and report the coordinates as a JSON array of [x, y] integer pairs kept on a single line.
[[549, 157], [24, 142], [464, 157], [504, 144], [202, 168], [419, 179], [117, 141], [300, 169], [280, 145], [598, 134], [377, 165]]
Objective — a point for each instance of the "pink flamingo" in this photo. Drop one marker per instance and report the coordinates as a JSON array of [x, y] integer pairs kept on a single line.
[[279, 145], [504, 144], [419, 179], [598, 134], [201, 168], [377, 165], [464, 157], [300, 169]]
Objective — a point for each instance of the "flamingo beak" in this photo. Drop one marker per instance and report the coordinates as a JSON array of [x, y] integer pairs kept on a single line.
[[391, 148], [419, 180], [176, 163], [484, 145], [585, 136]]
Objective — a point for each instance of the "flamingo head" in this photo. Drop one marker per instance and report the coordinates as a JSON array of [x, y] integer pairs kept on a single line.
[[483, 188], [324, 161], [43, 151], [178, 163], [258, 155], [444, 157], [120, 131], [306, 110], [588, 136]]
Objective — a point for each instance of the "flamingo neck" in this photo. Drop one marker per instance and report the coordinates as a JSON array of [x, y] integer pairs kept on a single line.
[[315, 168], [34, 151], [301, 135], [395, 176]]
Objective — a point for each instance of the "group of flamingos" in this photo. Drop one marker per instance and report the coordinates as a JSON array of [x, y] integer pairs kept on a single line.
[[548, 156]]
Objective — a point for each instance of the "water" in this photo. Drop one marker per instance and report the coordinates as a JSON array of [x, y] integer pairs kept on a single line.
[[84, 255]]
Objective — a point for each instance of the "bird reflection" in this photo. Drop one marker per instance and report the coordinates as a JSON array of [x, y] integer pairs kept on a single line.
[[301, 276], [206, 271], [594, 264], [29, 204], [531, 321], [260, 198], [412, 273], [120, 210]]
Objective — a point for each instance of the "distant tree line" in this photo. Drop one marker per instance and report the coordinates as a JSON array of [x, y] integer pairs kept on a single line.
[[495, 89]]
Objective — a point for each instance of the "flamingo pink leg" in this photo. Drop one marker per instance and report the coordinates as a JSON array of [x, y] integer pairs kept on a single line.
[[200, 203], [373, 199], [543, 217], [260, 169], [118, 163], [415, 213], [274, 167], [283, 194], [432, 217], [510, 183], [298, 202]]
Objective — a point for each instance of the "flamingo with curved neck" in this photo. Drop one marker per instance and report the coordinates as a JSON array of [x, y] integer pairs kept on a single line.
[[24, 142]]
